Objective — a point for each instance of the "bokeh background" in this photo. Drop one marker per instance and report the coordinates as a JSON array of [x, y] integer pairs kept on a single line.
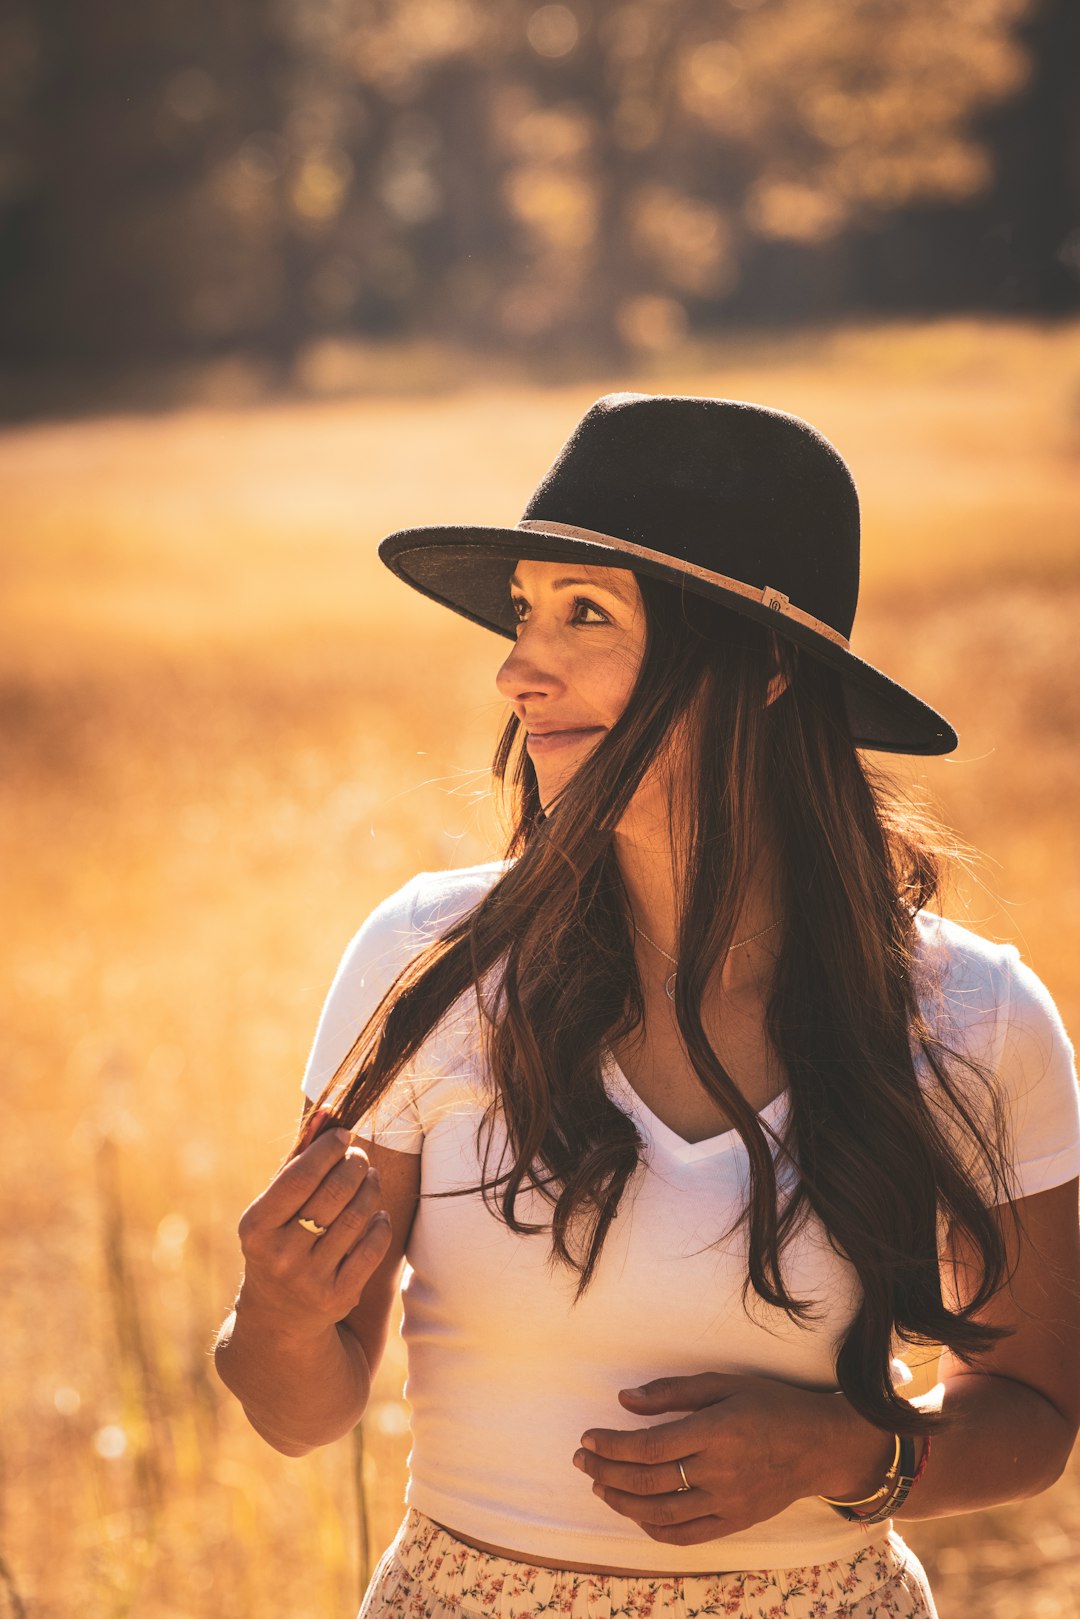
[[278, 278]]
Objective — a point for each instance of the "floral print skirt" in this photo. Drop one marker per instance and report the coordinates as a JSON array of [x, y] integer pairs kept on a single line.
[[427, 1574]]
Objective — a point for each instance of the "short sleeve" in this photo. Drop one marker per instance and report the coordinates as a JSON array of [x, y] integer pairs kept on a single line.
[[384, 945], [1036, 1071]]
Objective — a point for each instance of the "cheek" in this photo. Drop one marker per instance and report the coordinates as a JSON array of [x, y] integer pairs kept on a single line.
[[611, 677]]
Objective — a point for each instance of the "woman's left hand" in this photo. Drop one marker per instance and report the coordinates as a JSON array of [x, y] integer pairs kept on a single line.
[[747, 1450]]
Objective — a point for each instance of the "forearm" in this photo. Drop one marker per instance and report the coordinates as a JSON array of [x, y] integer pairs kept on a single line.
[[1004, 1441], [298, 1392]]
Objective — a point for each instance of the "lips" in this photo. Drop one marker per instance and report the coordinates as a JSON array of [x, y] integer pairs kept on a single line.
[[550, 730], [550, 739]]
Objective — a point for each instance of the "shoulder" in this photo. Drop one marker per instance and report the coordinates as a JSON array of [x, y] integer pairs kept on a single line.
[[949, 946], [396, 931], [982, 999], [418, 913], [975, 974], [961, 978], [982, 986], [441, 898]]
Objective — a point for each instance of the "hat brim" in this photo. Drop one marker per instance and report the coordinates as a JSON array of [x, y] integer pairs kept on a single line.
[[468, 570]]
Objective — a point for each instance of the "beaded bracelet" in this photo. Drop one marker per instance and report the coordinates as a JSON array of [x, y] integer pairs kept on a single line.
[[921, 1469]]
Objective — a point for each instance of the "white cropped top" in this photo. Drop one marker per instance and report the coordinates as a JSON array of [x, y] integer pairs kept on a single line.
[[505, 1372]]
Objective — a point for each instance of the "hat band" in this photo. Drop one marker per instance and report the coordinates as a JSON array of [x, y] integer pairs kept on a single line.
[[765, 597]]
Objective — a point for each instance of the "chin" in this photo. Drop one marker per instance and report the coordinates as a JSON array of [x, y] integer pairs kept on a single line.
[[549, 787]]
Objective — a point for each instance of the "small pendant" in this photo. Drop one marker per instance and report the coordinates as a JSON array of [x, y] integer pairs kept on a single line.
[[669, 985]]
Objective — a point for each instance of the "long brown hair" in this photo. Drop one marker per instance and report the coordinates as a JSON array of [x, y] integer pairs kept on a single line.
[[878, 1156]]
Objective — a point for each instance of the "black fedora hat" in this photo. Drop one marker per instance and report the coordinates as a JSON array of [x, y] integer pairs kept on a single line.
[[737, 502]]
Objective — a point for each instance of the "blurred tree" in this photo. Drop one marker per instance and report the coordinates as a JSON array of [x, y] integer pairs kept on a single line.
[[1016, 244], [130, 101], [182, 178], [707, 128], [183, 170]]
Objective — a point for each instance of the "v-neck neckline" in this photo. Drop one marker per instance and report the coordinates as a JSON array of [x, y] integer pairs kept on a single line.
[[621, 1091]]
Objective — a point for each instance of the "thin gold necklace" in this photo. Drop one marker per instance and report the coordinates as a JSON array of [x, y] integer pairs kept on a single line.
[[669, 982]]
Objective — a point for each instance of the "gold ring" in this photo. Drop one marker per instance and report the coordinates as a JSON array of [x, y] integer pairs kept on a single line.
[[685, 1485], [310, 1225]]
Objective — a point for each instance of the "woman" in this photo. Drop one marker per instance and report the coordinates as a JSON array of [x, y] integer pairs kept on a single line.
[[690, 1111]]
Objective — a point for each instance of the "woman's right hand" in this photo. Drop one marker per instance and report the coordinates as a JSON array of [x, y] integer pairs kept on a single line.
[[301, 1282]]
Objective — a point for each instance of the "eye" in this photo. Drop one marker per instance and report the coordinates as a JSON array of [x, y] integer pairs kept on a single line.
[[582, 606], [583, 612]]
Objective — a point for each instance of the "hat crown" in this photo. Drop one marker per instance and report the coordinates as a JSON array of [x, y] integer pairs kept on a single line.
[[743, 490]]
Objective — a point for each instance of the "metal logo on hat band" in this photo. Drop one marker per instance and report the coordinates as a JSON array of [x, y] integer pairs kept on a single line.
[[766, 597]]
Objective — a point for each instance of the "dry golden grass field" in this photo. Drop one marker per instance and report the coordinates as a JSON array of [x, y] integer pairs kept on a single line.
[[227, 733]]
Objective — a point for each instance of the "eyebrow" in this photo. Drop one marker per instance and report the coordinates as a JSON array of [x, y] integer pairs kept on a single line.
[[618, 591]]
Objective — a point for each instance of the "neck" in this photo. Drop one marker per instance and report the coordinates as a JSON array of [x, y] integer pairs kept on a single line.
[[646, 857]]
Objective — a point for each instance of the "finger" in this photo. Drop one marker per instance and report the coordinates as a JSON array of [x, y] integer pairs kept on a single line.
[[694, 1533], [630, 1477], [679, 1393], [318, 1120], [365, 1257], [337, 1188], [347, 1224], [666, 1442], [652, 1511], [296, 1181]]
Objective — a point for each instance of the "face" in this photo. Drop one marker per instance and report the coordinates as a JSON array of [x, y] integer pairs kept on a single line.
[[580, 643]]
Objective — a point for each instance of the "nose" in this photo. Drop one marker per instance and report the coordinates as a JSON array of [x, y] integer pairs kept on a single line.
[[529, 670]]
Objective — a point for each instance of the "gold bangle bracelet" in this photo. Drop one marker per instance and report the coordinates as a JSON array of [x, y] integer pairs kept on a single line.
[[882, 1489]]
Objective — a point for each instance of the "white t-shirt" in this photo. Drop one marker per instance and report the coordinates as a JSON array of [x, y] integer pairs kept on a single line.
[[505, 1372]]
